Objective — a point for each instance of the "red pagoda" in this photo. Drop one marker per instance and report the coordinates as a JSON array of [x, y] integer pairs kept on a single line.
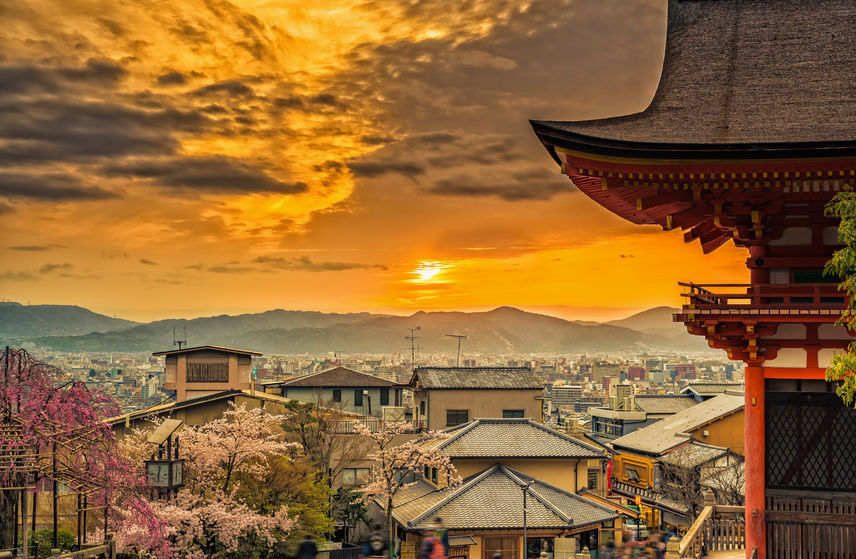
[[751, 132]]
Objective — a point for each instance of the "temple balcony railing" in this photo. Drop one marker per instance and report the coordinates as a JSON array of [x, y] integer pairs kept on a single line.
[[782, 300]]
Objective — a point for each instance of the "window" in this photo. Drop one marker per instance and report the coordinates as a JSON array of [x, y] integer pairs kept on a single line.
[[593, 475], [354, 476], [631, 474], [384, 396], [358, 397], [206, 371], [337, 395], [512, 413], [456, 417], [426, 473], [506, 547], [422, 407], [434, 476]]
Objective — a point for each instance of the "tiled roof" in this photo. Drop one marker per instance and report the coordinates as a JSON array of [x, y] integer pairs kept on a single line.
[[667, 433], [209, 348], [476, 377], [664, 404], [338, 376], [693, 454], [513, 438], [743, 74], [711, 388], [494, 499]]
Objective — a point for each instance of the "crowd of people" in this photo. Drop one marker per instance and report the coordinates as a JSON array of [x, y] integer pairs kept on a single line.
[[654, 547]]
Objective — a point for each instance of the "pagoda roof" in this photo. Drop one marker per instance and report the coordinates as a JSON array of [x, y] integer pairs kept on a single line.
[[740, 79]]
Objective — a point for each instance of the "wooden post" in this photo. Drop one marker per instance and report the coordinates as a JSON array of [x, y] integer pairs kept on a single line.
[[755, 460], [79, 514], [673, 548], [24, 521], [55, 540], [84, 519], [709, 498]]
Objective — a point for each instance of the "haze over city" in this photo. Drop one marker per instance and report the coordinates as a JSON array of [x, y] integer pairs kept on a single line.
[[195, 158]]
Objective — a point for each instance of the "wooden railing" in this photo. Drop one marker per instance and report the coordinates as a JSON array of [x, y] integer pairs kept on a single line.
[[717, 528], [770, 295], [811, 525]]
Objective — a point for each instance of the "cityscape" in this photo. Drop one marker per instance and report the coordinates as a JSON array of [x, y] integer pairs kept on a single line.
[[413, 279]]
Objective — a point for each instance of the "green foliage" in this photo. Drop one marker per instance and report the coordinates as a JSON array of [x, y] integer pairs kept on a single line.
[[296, 484], [843, 266], [349, 508], [44, 539]]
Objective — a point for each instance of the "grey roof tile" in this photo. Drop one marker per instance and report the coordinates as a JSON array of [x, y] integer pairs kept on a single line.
[[743, 73], [664, 404], [665, 434], [338, 376], [494, 499], [513, 438], [476, 377]]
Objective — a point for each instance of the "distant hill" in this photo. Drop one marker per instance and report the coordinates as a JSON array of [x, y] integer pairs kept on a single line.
[[20, 321], [500, 331]]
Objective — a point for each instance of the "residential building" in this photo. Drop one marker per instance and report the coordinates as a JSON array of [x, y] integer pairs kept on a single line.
[[349, 390], [626, 414], [448, 396], [498, 460], [193, 372]]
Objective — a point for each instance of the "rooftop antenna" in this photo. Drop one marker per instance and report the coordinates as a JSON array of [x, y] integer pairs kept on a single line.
[[459, 337], [412, 339], [176, 341]]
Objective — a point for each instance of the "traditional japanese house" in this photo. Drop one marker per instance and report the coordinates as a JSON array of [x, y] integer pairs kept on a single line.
[[750, 133]]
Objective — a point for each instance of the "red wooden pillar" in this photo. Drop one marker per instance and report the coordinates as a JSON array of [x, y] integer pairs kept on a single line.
[[755, 474]]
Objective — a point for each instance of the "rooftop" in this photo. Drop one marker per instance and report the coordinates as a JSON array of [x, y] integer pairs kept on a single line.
[[664, 435], [503, 378], [209, 348], [513, 438], [338, 376], [669, 403], [493, 499], [741, 77]]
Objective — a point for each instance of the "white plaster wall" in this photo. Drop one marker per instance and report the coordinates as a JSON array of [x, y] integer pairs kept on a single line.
[[788, 357]]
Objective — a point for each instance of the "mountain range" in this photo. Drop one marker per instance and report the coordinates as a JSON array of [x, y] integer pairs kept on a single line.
[[503, 330]]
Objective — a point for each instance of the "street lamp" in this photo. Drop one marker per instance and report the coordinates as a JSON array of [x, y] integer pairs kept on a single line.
[[526, 487], [165, 470]]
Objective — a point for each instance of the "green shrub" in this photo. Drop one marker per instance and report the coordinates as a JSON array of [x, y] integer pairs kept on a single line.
[[44, 539]]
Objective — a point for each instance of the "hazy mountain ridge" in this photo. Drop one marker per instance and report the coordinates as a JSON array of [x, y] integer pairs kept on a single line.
[[502, 330], [18, 321]]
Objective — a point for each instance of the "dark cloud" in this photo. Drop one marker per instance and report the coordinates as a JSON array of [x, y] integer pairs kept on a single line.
[[48, 268], [95, 71], [376, 140], [229, 88], [147, 262], [305, 264], [172, 78], [50, 187], [208, 174], [35, 248], [310, 103], [628, 256], [112, 26], [370, 169], [18, 276], [228, 269], [531, 184]]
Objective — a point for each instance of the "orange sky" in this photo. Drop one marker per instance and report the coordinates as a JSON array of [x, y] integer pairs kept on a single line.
[[166, 159]]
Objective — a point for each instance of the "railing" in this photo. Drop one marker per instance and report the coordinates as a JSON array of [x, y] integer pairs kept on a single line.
[[811, 525], [374, 424], [717, 528], [763, 296]]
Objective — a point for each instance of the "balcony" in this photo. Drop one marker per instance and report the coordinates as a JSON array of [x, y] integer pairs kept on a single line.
[[815, 302]]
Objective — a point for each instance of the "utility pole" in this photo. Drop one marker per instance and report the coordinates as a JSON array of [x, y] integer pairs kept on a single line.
[[459, 337], [412, 339]]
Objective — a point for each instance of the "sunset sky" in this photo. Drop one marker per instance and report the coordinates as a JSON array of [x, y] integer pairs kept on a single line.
[[187, 158]]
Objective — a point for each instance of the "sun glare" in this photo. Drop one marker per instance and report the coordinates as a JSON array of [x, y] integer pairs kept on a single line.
[[426, 271]]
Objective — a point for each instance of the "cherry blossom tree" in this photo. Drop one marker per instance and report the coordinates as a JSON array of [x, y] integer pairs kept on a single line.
[[397, 463], [52, 426], [208, 517]]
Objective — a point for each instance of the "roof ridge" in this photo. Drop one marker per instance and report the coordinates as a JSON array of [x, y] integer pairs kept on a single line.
[[461, 431], [564, 436], [555, 488]]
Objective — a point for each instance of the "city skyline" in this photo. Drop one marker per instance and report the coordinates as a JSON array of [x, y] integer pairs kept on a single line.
[[207, 158]]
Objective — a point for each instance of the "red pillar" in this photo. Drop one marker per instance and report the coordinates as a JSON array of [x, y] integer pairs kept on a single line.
[[755, 475]]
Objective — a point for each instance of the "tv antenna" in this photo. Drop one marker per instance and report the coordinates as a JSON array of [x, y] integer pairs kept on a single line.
[[412, 339], [176, 341], [459, 337]]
